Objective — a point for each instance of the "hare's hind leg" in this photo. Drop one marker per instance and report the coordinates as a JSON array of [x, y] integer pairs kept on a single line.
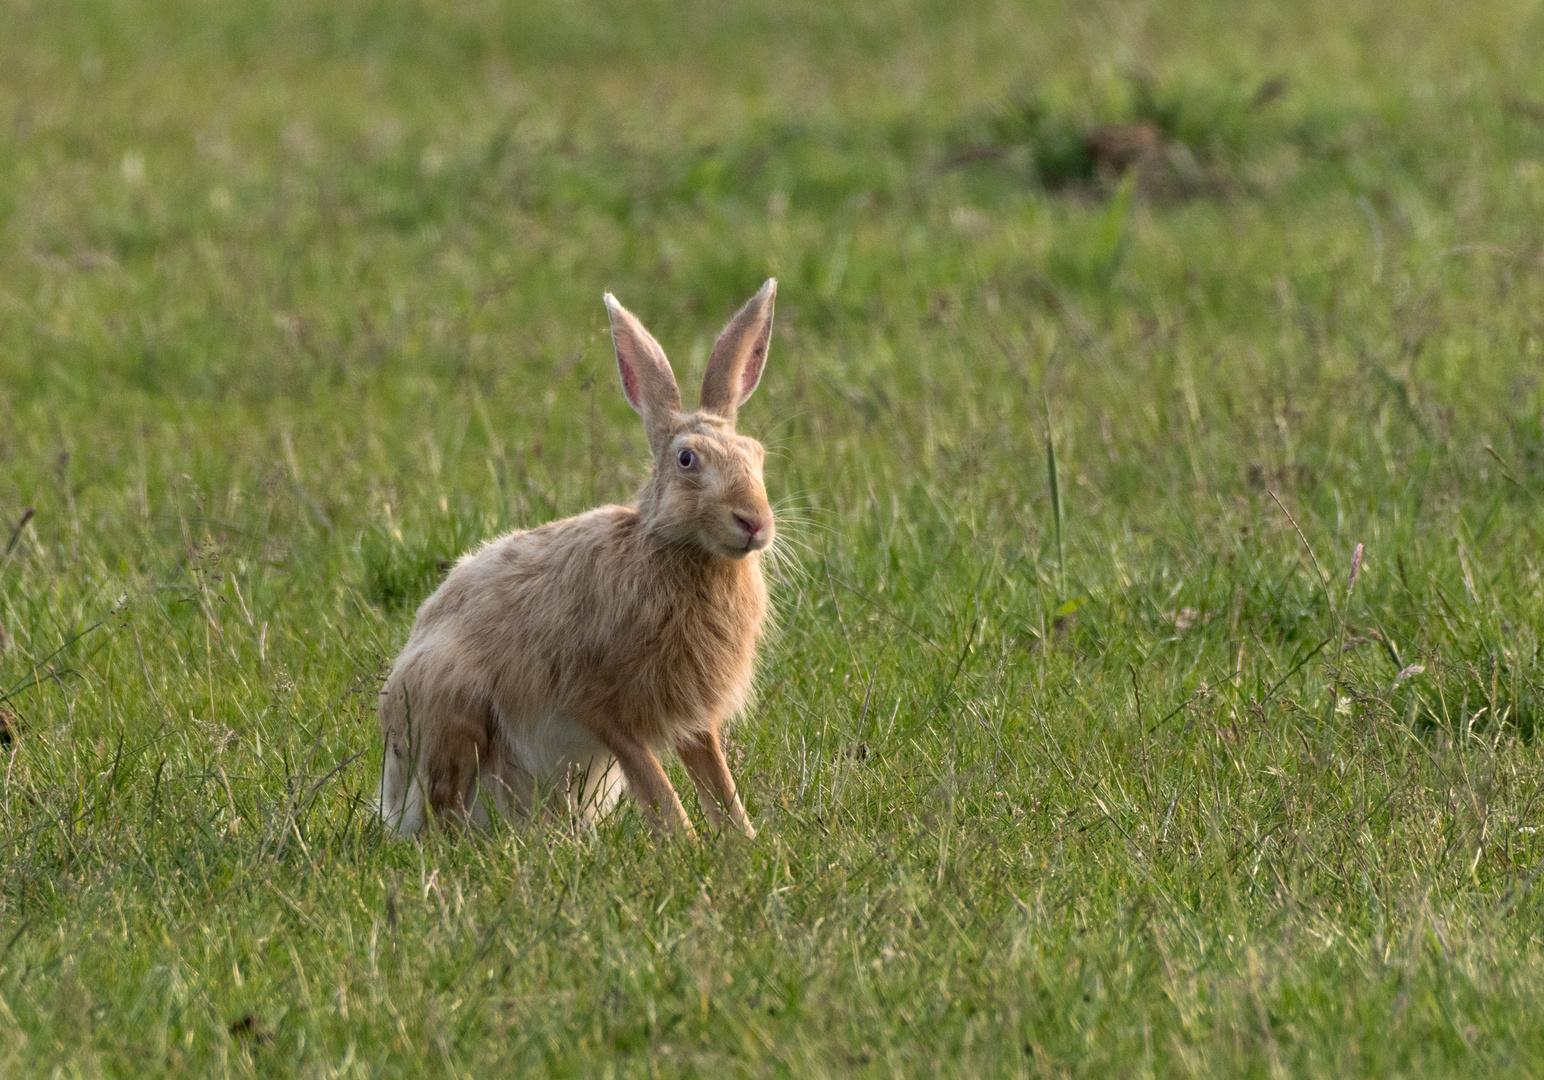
[[402, 797], [501, 788], [438, 743], [457, 758]]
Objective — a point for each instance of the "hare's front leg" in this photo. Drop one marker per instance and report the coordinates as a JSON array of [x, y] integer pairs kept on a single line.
[[647, 781], [703, 756]]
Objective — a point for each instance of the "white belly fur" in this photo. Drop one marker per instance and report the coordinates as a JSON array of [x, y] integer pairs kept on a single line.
[[556, 758]]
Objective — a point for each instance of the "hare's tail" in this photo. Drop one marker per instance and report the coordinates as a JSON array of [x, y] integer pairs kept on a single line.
[[402, 797]]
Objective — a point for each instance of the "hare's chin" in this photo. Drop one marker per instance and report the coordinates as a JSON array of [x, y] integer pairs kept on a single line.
[[738, 548]]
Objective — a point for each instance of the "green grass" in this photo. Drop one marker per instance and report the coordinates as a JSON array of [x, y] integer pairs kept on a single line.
[[1115, 777]]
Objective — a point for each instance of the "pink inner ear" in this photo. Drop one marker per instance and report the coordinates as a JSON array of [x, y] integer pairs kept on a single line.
[[629, 381], [750, 374]]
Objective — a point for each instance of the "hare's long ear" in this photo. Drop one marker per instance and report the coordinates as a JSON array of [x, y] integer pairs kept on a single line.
[[647, 380], [734, 369]]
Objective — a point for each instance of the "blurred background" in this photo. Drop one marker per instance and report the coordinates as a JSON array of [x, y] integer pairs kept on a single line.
[[256, 213]]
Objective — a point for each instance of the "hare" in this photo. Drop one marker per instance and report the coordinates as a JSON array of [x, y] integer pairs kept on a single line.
[[552, 659]]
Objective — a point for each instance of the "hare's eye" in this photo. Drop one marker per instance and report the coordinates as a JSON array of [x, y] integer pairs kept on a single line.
[[687, 459]]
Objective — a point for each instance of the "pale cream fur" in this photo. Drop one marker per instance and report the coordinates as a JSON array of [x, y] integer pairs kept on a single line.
[[554, 662]]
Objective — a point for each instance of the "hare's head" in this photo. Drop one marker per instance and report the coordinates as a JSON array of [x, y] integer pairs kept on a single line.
[[706, 488]]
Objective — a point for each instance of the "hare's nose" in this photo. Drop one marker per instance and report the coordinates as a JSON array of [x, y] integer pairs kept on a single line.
[[751, 527]]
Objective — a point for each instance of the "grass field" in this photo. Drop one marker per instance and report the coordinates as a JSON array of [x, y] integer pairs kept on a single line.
[[1077, 752]]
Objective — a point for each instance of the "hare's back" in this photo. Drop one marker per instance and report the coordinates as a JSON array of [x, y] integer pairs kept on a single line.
[[531, 571]]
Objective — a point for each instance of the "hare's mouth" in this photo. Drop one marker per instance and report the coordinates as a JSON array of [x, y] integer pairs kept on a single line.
[[738, 545], [752, 530]]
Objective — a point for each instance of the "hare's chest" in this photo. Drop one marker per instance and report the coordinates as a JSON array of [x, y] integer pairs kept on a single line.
[[693, 664], [711, 664]]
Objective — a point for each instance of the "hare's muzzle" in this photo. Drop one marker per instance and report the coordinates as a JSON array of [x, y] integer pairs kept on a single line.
[[755, 529]]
